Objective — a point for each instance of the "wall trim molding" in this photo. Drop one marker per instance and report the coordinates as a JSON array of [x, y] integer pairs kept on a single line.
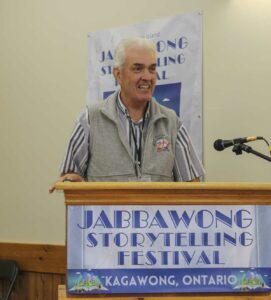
[[39, 258]]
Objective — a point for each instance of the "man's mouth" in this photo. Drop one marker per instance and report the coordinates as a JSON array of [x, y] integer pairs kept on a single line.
[[144, 87]]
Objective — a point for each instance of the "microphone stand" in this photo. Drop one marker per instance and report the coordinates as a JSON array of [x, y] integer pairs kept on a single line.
[[238, 148]]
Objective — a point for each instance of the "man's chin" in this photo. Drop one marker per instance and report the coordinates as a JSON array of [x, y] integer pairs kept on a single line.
[[144, 100], [145, 97]]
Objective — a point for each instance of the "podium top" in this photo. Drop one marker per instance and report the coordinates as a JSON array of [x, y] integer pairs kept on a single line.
[[163, 193], [162, 185]]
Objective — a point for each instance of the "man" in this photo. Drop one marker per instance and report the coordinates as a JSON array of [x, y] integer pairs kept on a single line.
[[129, 136]]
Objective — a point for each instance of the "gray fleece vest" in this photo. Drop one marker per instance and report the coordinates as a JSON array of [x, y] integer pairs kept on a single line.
[[111, 157]]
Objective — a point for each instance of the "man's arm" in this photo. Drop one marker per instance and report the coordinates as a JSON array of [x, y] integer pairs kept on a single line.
[[187, 166], [75, 162]]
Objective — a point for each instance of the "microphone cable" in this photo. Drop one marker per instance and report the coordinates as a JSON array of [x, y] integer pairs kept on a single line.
[[268, 145]]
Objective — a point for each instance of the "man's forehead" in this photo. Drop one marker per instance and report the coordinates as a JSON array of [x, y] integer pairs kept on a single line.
[[142, 64], [140, 56]]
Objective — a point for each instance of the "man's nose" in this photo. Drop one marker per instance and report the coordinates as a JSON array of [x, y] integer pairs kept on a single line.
[[147, 75]]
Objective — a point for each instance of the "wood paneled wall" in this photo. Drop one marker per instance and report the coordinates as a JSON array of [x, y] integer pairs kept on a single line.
[[42, 269]]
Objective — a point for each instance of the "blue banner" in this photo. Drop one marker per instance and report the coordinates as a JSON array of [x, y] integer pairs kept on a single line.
[[178, 42], [168, 248], [129, 281]]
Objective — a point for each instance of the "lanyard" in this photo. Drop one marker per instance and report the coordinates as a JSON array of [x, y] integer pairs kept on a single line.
[[137, 143]]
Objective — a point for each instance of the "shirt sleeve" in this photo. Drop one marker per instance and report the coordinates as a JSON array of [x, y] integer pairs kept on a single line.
[[187, 164], [77, 153]]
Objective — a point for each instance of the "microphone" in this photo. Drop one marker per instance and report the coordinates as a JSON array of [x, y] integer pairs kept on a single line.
[[220, 145]]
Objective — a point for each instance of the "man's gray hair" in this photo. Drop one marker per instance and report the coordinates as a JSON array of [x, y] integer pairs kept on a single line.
[[128, 43]]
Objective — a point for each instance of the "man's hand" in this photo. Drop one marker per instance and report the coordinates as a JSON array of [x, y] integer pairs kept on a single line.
[[67, 177], [195, 180]]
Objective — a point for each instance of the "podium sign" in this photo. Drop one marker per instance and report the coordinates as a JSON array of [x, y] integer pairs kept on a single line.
[[156, 239], [117, 249]]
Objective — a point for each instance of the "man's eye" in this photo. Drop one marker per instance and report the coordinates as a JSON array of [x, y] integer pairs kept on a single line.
[[137, 68], [153, 69]]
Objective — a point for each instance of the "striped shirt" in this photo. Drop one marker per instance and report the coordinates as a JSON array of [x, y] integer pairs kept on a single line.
[[187, 165]]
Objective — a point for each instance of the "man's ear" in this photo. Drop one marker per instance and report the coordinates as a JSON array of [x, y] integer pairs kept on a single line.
[[116, 73]]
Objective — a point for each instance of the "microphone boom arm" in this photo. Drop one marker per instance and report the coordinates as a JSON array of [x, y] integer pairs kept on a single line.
[[238, 148]]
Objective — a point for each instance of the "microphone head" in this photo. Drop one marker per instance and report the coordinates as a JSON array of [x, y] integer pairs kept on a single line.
[[219, 145]]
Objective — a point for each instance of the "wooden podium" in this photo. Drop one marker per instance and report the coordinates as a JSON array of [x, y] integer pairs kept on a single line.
[[148, 193]]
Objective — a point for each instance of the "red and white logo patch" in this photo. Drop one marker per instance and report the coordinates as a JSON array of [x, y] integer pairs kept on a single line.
[[161, 144]]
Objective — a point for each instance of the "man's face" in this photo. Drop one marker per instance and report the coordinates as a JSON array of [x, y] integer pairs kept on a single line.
[[137, 78]]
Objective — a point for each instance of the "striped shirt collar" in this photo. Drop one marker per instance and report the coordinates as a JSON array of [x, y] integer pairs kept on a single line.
[[121, 107]]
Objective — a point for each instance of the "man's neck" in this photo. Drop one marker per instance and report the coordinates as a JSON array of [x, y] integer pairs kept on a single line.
[[136, 110], [136, 114]]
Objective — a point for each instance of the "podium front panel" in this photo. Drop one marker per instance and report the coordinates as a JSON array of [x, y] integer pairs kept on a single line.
[[130, 249]]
